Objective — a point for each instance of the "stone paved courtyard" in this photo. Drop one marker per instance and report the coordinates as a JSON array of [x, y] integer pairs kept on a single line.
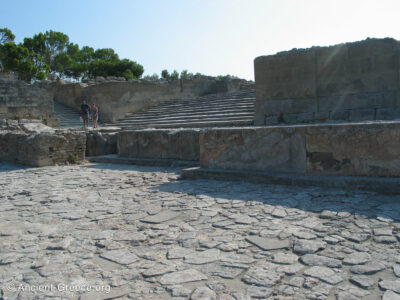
[[102, 231]]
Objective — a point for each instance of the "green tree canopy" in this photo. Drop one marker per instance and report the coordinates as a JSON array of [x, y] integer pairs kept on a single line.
[[6, 35], [165, 74], [52, 52]]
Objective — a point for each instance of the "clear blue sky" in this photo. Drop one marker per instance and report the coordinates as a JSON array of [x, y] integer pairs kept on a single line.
[[213, 37]]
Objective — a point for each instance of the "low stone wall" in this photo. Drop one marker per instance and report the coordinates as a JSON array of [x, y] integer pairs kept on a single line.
[[363, 149], [347, 82], [19, 100], [38, 146], [180, 144], [117, 98]]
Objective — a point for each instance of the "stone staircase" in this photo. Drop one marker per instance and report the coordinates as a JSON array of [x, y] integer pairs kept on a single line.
[[228, 109], [68, 117]]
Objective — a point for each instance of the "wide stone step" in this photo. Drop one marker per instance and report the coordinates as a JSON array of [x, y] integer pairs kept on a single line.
[[203, 103], [177, 121], [192, 124], [194, 114], [183, 109], [193, 118]]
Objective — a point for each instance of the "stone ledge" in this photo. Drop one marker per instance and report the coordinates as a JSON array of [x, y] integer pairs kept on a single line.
[[115, 159], [387, 185]]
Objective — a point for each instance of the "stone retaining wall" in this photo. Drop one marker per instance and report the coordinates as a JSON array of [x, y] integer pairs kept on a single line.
[[364, 149], [19, 100], [181, 144], [347, 82], [45, 148]]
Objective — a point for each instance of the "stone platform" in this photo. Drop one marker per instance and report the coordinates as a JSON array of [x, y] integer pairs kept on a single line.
[[139, 233]]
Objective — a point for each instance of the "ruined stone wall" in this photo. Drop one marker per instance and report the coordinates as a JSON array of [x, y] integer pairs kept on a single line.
[[335, 149], [37, 145], [347, 82], [117, 98], [19, 100]]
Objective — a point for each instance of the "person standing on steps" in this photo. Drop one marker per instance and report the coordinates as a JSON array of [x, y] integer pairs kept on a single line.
[[94, 111], [85, 114]]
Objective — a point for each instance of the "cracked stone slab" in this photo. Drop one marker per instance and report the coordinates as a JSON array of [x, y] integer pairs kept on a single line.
[[203, 257], [161, 217], [307, 246], [203, 292], [357, 258], [184, 276], [368, 269], [158, 270], [223, 271], [176, 253], [389, 295], [319, 260], [324, 274], [269, 243], [365, 282], [61, 245], [262, 276], [285, 258], [392, 285], [121, 256]]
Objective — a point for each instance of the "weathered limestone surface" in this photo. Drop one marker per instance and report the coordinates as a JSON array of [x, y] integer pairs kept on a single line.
[[117, 98], [280, 149], [35, 145], [350, 82], [365, 149], [360, 149], [19, 100], [101, 143], [180, 144], [88, 226]]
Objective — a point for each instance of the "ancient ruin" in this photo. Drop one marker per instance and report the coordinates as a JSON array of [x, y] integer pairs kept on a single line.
[[295, 197]]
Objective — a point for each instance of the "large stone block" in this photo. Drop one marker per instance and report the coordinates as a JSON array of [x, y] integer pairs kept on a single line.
[[286, 75], [181, 144], [285, 83], [358, 101], [354, 149], [279, 149], [353, 76]]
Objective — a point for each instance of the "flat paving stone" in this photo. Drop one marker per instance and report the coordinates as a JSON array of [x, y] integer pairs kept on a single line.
[[122, 257], [357, 258], [161, 217], [390, 295], [368, 269], [320, 260], [202, 257], [392, 285], [301, 246], [262, 276], [182, 277], [324, 274], [365, 282], [269, 243]]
